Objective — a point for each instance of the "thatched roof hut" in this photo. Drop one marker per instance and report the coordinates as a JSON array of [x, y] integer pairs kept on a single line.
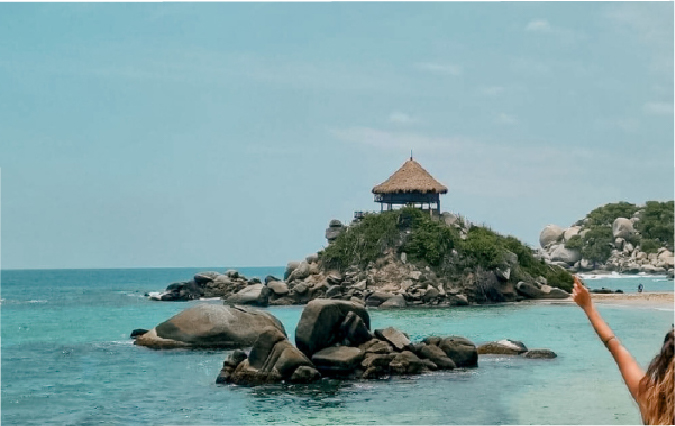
[[410, 185], [410, 178]]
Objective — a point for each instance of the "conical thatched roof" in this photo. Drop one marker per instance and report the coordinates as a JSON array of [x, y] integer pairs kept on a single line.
[[411, 177]]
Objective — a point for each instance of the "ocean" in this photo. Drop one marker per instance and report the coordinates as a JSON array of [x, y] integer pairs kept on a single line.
[[67, 359]]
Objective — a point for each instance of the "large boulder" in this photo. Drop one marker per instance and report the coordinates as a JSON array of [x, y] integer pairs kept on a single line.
[[407, 362], [622, 228], [437, 356], [397, 339], [279, 288], [202, 278], [529, 290], [320, 324], [571, 231], [550, 235], [290, 267], [461, 350], [503, 347], [255, 294], [263, 346], [337, 359], [394, 302], [212, 326], [378, 298], [562, 254]]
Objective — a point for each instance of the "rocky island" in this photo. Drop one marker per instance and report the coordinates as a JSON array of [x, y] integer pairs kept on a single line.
[[621, 237], [396, 259]]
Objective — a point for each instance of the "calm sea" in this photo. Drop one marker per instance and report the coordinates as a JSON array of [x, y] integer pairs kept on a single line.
[[67, 359]]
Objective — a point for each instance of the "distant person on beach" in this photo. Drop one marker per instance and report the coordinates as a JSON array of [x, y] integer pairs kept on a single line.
[[653, 391], [640, 288]]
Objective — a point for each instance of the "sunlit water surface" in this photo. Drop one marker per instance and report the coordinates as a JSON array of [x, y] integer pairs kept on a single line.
[[67, 359]]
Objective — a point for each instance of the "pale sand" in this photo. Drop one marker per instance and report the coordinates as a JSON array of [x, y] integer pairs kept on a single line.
[[646, 298]]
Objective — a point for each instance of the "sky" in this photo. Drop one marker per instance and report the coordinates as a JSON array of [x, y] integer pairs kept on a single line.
[[230, 134]]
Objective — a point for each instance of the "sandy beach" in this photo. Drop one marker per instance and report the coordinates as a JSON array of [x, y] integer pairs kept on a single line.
[[646, 298]]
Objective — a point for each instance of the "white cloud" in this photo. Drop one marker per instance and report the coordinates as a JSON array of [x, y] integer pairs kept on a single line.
[[538, 25], [439, 68], [402, 118], [658, 108], [506, 119]]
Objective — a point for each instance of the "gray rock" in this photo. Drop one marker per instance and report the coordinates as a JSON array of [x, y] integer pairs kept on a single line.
[[354, 330], [406, 362], [337, 359], [320, 322], [255, 294], [138, 332], [333, 291], [279, 288], [263, 346], [571, 231], [302, 272], [378, 298], [290, 268], [397, 339], [540, 354], [395, 302], [556, 293], [209, 325], [457, 299], [529, 290], [461, 350], [377, 346], [550, 235], [563, 254], [270, 279], [205, 277], [305, 374], [232, 273], [503, 347], [437, 356], [622, 228], [290, 360]]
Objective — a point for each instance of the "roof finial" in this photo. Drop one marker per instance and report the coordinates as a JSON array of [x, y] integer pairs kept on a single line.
[[411, 155]]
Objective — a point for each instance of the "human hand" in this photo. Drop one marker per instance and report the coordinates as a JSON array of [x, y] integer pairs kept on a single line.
[[581, 295]]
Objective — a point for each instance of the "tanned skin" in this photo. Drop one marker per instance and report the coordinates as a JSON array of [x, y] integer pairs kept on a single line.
[[630, 370]]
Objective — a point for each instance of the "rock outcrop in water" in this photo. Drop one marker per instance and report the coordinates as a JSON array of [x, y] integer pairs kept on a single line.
[[230, 285], [333, 340], [396, 259], [211, 326]]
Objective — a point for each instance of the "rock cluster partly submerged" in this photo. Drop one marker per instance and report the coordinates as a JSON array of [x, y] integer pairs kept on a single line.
[[333, 339]]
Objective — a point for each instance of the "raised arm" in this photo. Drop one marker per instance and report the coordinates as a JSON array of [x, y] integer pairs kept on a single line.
[[630, 370]]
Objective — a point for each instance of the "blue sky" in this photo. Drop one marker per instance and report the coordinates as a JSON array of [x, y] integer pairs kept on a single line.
[[186, 134]]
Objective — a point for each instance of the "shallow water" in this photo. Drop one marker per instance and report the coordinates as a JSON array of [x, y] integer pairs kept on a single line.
[[67, 359]]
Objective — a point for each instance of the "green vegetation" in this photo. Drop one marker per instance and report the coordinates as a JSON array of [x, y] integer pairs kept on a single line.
[[655, 229], [656, 223], [605, 215], [432, 243]]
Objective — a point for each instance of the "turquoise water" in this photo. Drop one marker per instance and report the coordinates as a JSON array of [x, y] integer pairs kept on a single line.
[[67, 359]]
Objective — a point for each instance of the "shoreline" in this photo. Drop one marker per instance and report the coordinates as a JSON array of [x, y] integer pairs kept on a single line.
[[651, 299]]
